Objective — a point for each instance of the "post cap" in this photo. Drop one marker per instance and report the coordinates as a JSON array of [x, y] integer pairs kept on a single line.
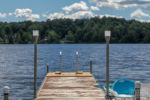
[[6, 89], [107, 33], [77, 53], [35, 32], [137, 84], [60, 53]]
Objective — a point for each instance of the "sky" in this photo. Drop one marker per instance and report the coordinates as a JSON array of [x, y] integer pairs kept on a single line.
[[41, 10]]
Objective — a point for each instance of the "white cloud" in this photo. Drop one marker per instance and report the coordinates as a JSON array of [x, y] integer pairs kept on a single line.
[[76, 7], [78, 11], [108, 15], [26, 13], [33, 17], [118, 4], [3, 15], [94, 8], [81, 14], [138, 14], [76, 15], [114, 5], [54, 16], [10, 14], [74, 11], [141, 20]]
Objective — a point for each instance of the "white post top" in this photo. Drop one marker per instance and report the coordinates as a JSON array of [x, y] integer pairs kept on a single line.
[[6, 89], [137, 84], [77, 53], [107, 33], [60, 53], [35, 32]]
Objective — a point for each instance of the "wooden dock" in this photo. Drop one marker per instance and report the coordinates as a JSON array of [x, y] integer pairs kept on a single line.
[[69, 86]]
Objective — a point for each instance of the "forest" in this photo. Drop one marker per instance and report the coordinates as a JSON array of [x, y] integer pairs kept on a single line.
[[76, 31]]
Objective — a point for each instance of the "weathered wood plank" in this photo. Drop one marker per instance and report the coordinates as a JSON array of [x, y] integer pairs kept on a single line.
[[70, 74], [70, 86]]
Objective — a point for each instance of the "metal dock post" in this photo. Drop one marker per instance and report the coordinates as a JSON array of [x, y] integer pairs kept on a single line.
[[107, 36], [77, 62], [137, 90], [35, 35], [6, 93]]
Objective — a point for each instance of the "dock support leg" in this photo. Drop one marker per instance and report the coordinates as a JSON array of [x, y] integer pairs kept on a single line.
[[77, 63], [91, 66], [6, 93], [47, 68], [137, 90], [60, 62]]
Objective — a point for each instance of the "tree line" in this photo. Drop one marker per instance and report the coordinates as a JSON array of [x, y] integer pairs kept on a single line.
[[76, 31]]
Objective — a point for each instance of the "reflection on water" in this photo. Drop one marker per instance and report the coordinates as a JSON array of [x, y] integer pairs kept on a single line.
[[130, 61]]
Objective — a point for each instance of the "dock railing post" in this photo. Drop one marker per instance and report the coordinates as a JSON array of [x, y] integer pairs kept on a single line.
[[35, 35], [91, 66], [107, 37], [60, 62], [77, 62], [47, 68], [137, 90], [6, 93]]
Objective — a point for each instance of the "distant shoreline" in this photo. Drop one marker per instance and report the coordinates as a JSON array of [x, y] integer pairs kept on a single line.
[[81, 31]]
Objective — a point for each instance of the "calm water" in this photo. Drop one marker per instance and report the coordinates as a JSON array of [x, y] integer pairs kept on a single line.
[[130, 61]]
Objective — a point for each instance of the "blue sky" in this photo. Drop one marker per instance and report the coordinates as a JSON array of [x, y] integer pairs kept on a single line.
[[40, 10]]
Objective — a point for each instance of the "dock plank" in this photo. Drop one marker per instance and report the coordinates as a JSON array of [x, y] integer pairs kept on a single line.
[[70, 74], [70, 86]]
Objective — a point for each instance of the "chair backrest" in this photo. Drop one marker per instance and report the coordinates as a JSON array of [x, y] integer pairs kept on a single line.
[[124, 86]]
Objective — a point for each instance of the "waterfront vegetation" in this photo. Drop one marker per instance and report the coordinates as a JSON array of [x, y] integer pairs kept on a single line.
[[76, 31]]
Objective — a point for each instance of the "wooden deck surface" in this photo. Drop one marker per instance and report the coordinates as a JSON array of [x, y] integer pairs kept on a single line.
[[67, 74], [69, 86]]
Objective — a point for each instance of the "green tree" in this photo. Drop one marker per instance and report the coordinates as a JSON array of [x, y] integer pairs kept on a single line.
[[53, 37], [70, 36]]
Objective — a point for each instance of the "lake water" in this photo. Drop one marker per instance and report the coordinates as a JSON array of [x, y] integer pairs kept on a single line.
[[130, 61]]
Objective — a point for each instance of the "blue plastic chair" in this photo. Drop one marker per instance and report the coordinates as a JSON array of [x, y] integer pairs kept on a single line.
[[124, 86]]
